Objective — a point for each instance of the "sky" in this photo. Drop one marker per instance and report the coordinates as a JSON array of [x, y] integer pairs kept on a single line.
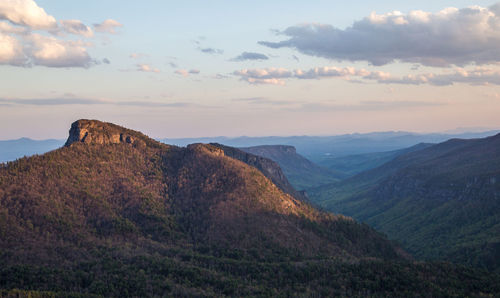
[[176, 69]]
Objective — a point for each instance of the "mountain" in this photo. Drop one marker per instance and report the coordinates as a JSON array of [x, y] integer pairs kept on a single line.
[[301, 172], [316, 148], [268, 167], [440, 203], [114, 213], [351, 165], [13, 149]]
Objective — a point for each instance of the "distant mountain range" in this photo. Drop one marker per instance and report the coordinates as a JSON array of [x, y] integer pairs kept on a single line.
[[440, 203], [323, 150], [114, 213], [316, 148], [14, 149]]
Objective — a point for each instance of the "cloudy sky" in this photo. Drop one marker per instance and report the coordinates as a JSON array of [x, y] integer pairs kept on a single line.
[[211, 68]]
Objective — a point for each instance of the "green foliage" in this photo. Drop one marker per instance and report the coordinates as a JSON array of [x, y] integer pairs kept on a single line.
[[440, 203]]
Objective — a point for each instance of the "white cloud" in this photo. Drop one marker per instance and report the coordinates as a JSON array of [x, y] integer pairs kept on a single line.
[[53, 52], [21, 46], [26, 13], [108, 26], [277, 76], [147, 68], [449, 37], [11, 51], [76, 27], [476, 76], [185, 73]]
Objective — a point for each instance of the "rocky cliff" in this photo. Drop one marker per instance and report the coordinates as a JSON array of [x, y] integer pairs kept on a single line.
[[97, 132]]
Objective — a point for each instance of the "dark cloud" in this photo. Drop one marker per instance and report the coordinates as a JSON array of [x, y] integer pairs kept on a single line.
[[250, 56], [449, 37], [211, 51], [76, 27]]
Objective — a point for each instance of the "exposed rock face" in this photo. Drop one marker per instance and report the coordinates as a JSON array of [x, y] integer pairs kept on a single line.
[[268, 167], [97, 132]]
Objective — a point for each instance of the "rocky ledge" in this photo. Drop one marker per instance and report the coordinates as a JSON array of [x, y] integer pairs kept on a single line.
[[97, 132]]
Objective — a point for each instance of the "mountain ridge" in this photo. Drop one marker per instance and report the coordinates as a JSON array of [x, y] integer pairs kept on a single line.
[[113, 218], [441, 202]]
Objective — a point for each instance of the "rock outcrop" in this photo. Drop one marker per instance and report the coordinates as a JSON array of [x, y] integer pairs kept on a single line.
[[97, 132]]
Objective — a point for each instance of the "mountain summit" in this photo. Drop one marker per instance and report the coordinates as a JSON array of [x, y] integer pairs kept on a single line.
[[115, 213], [97, 132]]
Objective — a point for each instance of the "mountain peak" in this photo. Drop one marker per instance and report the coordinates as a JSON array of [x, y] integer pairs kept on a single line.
[[98, 132]]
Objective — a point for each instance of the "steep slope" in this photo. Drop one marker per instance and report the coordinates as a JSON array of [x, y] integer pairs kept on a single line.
[[442, 202], [301, 172], [266, 166]]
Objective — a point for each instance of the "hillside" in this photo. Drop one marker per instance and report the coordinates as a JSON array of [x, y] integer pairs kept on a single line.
[[440, 203], [301, 172], [115, 213], [351, 165]]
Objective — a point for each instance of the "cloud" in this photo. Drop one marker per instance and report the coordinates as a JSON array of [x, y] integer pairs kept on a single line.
[[262, 101], [20, 46], [277, 76], [76, 27], [450, 37], [11, 51], [476, 76], [53, 52], [108, 26], [153, 104], [220, 76], [185, 73], [366, 106], [138, 55], [53, 101], [147, 68], [73, 100], [6, 28], [211, 51], [270, 76], [250, 56], [26, 13]]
